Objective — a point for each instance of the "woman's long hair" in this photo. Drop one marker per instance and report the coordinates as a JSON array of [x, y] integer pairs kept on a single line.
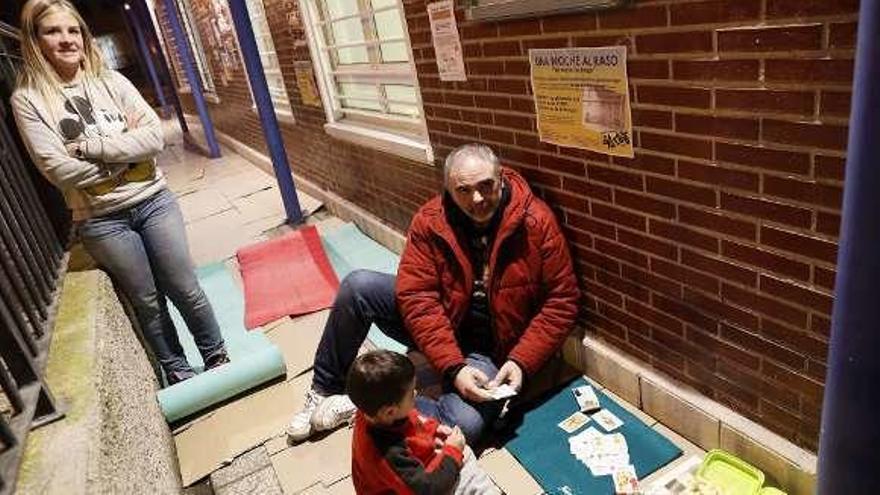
[[37, 73]]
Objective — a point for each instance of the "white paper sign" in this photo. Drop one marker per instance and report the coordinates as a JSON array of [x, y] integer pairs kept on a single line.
[[447, 43]]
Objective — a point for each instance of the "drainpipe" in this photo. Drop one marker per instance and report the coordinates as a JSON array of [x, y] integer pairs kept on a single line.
[[144, 50], [849, 459], [266, 110], [195, 83]]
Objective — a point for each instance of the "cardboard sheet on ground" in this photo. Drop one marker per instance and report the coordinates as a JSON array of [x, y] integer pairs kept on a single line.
[[254, 358], [349, 249], [508, 474], [322, 460], [542, 447], [288, 275], [238, 427], [298, 338]]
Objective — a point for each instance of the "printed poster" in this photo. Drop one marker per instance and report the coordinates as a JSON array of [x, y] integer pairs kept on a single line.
[[582, 98], [447, 43], [305, 81]]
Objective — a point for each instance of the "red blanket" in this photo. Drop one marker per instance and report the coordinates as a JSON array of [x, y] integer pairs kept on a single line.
[[290, 275]]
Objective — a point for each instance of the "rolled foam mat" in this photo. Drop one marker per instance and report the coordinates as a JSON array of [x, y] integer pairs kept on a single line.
[[254, 358]]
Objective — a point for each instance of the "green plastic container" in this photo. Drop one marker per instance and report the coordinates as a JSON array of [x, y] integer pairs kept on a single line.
[[731, 474], [769, 490]]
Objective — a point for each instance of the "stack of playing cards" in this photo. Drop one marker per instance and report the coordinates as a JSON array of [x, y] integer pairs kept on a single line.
[[602, 454], [502, 391]]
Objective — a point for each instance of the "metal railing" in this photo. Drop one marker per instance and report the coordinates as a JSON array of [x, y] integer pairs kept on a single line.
[[33, 236]]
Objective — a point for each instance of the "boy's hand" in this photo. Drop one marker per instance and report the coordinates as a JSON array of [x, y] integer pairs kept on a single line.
[[440, 436], [443, 431], [456, 438]]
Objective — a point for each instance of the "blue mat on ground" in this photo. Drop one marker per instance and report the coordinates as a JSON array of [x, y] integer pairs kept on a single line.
[[254, 358], [542, 447], [349, 249]]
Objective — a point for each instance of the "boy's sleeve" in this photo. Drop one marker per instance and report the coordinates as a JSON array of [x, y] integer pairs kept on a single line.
[[437, 478]]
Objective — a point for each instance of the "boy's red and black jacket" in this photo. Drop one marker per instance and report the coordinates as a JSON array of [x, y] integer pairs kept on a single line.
[[402, 460]]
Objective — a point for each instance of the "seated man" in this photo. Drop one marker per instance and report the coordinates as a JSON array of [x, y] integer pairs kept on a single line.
[[485, 289]]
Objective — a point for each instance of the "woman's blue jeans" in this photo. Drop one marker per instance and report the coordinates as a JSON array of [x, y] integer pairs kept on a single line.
[[144, 250], [366, 297]]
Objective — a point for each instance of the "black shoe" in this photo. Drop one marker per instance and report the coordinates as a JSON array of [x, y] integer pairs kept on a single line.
[[175, 377], [218, 359]]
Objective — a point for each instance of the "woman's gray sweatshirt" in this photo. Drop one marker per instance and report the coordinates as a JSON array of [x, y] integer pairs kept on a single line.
[[118, 133]]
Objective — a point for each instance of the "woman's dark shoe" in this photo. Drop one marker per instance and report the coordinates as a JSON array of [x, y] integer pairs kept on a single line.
[[175, 377], [218, 359]]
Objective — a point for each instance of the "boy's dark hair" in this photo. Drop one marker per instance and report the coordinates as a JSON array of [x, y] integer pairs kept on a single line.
[[378, 379]]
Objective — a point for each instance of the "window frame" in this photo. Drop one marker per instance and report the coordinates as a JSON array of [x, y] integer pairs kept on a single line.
[[203, 66], [494, 10], [397, 134], [283, 109]]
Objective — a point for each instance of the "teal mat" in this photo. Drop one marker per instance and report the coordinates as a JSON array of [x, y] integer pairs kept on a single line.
[[349, 249], [255, 359], [542, 447]]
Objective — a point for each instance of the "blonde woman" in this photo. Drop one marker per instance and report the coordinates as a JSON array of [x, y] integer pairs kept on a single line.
[[92, 134]]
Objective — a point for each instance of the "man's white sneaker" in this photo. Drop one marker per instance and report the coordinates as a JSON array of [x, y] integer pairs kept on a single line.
[[332, 412], [300, 427]]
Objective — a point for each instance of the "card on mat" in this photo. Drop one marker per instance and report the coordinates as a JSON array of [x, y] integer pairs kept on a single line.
[[607, 420], [574, 422], [625, 480], [586, 398]]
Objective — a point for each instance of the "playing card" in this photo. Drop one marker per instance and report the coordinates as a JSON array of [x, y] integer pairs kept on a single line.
[[586, 398], [574, 422], [625, 480], [502, 391], [607, 420]]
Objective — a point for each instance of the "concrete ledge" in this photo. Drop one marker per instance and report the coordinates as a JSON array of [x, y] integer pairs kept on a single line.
[[697, 418], [114, 438]]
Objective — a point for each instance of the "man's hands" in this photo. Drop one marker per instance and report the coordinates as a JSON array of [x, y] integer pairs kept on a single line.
[[470, 383], [509, 373]]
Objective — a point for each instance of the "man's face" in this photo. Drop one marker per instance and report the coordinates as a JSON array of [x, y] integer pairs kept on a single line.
[[475, 188]]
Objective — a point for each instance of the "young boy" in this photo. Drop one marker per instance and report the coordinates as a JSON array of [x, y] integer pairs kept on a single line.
[[395, 450]]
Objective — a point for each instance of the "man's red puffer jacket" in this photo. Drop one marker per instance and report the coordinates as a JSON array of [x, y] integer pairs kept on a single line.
[[533, 293]]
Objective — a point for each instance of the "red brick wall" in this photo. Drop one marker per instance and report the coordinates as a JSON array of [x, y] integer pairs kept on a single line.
[[711, 254]]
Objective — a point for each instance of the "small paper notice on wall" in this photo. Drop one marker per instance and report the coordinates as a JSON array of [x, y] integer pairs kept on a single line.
[[305, 81], [582, 98], [447, 43]]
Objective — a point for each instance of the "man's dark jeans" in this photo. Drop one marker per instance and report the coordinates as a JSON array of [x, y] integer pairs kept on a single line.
[[366, 297]]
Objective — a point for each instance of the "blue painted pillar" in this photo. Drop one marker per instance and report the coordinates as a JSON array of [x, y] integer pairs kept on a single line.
[[154, 43], [189, 67], [265, 109], [849, 458], [146, 56]]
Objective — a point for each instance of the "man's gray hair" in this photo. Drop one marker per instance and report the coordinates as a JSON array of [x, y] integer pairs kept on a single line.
[[470, 151]]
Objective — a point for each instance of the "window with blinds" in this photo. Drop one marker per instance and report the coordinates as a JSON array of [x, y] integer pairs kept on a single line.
[[511, 9], [184, 11], [367, 71], [269, 58]]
